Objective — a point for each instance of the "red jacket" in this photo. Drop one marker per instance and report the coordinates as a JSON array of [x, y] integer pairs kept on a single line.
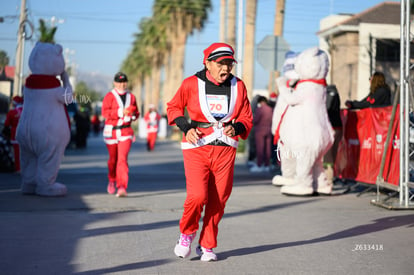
[[152, 119], [12, 119], [188, 95], [113, 113]]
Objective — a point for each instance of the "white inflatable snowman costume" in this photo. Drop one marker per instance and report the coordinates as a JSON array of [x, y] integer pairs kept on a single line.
[[283, 155], [44, 130], [305, 131]]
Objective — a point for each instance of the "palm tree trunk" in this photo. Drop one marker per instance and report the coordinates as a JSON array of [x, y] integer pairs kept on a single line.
[[148, 90], [180, 57], [223, 9], [167, 92], [249, 42], [231, 23], [156, 84], [177, 56], [170, 75], [137, 92]]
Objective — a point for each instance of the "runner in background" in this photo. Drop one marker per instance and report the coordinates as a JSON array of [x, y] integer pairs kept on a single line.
[[152, 119], [119, 109]]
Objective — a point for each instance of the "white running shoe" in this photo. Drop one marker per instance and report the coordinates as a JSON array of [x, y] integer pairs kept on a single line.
[[183, 247], [206, 254], [257, 169]]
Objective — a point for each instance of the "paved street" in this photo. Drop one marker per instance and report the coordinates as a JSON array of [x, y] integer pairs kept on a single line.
[[262, 232]]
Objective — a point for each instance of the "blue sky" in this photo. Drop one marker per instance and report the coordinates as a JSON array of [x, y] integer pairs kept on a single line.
[[97, 34]]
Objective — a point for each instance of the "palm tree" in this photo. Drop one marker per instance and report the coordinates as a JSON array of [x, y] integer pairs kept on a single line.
[[223, 11], [4, 60], [231, 23], [161, 45], [184, 16], [136, 67], [154, 40], [249, 43], [143, 64], [46, 33]]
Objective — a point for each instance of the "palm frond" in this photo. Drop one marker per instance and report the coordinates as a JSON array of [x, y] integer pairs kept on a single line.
[[46, 33]]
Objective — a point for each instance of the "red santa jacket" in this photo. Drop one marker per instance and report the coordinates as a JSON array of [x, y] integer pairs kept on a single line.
[[117, 125], [192, 95], [152, 119], [12, 119]]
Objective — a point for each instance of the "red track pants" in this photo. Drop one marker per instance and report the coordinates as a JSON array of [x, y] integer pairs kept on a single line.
[[209, 178], [118, 162], [151, 138], [16, 149]]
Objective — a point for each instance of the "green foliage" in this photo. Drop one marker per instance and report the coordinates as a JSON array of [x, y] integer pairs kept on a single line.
[[46, 33], [85, 96], [156, 35], [4, 59]]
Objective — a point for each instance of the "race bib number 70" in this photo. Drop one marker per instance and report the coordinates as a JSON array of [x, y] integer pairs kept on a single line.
[[217, 105]]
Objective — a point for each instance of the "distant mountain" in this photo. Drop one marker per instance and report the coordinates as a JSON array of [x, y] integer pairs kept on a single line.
[[99, 82]]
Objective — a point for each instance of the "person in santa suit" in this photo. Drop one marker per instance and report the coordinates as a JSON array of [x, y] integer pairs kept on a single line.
[[12, 119], [152, 119], [220, 113], [119, 109]]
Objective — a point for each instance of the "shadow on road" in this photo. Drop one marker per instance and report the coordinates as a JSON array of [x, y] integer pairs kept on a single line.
[[377, 225]]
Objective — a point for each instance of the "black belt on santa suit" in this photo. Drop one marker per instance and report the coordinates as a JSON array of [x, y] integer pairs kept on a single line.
[[215, 142], [121, 127]]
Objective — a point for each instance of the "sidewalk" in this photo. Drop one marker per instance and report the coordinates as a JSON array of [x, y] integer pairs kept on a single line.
[[262, 232]]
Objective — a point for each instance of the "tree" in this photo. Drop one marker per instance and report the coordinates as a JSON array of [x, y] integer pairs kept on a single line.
[[144, 62], [4, 60], [231, 23], [160, 44], [155, 46], [184, 16], [84, 96], [46, 33], [223, 12], [249, 43]]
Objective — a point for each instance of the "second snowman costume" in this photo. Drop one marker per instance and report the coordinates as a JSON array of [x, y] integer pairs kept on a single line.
[[305, 128]]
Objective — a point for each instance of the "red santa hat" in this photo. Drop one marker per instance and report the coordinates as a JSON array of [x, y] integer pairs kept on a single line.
[[17, 100], [273, 96], [218, 52]]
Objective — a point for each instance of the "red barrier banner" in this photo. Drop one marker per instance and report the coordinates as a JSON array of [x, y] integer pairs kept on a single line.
[[362, 145]]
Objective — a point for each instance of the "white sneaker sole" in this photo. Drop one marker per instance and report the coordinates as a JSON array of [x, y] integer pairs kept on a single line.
[[205, 257], [179, 253]]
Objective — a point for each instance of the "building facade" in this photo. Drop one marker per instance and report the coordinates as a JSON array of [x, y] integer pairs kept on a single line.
[[360, 44]]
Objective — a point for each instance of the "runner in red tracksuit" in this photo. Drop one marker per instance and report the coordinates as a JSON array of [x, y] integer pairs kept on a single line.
[[152, 119], [12, 119], [220, 113], [119, 109]]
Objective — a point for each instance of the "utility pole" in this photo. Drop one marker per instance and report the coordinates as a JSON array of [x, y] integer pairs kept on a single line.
[[277, 31], [18, 74]]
